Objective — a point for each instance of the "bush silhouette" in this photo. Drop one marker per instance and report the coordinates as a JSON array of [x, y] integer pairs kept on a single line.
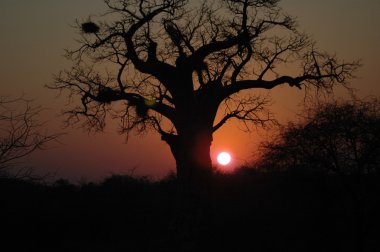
[[246, 211]]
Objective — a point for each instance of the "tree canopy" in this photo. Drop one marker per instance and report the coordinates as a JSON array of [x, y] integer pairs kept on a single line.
[[173, 65], [337, 137], [155, 55]]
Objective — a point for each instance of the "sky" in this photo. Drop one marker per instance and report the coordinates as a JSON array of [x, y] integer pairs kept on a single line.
[[35, 34]]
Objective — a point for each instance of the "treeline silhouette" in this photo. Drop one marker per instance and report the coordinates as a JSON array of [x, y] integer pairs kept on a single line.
[[244, 211], [316, 187]]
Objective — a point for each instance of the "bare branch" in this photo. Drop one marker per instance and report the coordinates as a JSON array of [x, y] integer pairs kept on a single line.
[[175, 61], [20, 134], [252, 110]]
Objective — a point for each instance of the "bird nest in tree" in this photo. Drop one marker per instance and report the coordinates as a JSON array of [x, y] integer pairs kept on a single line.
[[90, 27]]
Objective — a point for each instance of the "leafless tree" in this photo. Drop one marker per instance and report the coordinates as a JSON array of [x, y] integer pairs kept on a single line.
[[20, 135], [185, 68]]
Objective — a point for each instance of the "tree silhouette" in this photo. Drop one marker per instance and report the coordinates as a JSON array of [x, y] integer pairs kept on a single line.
[[171, 66], [20, 135], [339, 137]]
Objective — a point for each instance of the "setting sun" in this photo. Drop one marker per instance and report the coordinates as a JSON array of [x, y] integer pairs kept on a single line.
[[224, 158]]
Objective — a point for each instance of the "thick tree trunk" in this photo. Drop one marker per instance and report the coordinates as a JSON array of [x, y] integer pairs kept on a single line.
[[194, 167], [194, 171]]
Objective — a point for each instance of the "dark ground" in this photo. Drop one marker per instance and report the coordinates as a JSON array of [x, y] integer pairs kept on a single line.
[[247, 211]]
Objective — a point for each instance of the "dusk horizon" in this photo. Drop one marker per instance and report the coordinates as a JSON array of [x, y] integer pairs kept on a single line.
[[187, 126], [38, 33]]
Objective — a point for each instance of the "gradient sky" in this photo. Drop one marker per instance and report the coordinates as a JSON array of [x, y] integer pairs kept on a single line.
[[35, 34]]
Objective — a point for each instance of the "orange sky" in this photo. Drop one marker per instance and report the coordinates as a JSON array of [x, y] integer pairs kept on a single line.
[[35, 34]]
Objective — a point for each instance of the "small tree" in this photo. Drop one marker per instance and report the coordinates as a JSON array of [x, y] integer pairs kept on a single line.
[[20, 136], [171, 65], [339, 137]]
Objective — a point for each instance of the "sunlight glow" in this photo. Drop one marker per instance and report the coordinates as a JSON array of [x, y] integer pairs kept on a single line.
[[224, 158]]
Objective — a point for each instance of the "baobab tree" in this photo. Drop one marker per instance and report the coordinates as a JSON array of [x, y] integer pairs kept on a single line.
[[172, 65]]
